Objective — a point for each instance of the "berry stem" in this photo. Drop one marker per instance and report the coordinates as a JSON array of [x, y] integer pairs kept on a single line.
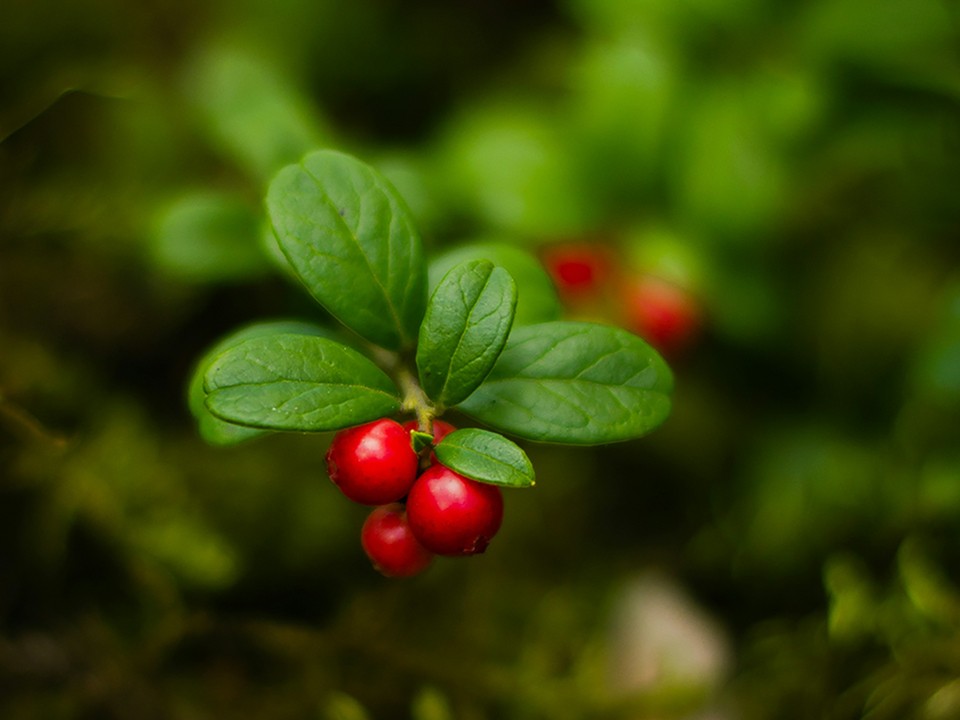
[[414, 400]]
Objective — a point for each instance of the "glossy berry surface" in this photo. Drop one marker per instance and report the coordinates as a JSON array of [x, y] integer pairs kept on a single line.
[[663, 314], [390, 544], [373, 464], [453, 515]]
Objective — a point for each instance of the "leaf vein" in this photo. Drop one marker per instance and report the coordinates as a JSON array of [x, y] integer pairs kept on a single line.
[[327, 200]]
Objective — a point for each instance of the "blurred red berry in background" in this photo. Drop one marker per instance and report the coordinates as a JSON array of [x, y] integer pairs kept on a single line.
[[664, 314], [578, 269]]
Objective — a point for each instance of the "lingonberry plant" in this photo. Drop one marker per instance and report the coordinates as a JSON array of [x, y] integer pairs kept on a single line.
[[422, 339]]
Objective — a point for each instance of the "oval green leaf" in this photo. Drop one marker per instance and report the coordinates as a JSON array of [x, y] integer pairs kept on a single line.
[[297, 382], [486, 457], [251, 111], [575, 383], [212, 429], [207, 237], [465, 328], [350, 238], [537, 299]]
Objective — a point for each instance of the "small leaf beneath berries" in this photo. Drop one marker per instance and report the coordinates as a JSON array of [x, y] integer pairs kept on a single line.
[[486, 457], [466, 326], [220, 432], [350, 238], [575, 383], [537, 299], [297, 382], [420, 440]]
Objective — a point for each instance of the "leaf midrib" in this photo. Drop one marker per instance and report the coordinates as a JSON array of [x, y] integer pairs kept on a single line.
[[339, 219], [464, 448], [577, 380], [314, 386], [462, 335]]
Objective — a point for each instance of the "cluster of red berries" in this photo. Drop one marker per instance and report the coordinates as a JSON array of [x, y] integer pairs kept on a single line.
[[593, 280], [418, 514]]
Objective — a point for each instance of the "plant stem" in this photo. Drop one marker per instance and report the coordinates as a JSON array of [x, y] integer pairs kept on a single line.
[[415, 400], [26, 426]]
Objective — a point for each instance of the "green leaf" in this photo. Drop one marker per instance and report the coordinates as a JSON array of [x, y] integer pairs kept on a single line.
[[623, 95], [537, 299], [936, 373], [466, 326], [340, 706], [212, 429], [208, 237], [420, 440], [487, 457], [730, 176], [512, 167], [187, 548], [251, 111], [576, 383], [297, 382], [350, 239], [431, 704]]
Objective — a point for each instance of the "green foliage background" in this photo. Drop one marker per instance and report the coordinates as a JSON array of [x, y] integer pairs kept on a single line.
[[795, 164]]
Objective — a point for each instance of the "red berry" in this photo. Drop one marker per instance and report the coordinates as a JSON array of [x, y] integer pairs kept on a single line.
[[453, 515], [373, 464], [577, 269], [390, 545], [663, 314]]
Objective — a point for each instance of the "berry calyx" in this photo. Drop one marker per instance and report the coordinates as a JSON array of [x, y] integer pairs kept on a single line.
[[440, 430], [390, 544], [453, 515], [373, 464]]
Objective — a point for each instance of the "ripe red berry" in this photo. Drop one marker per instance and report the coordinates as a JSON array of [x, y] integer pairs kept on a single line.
[[391, 546], [453, 515], [577, 269], [663, 314], [373, 464], [440, 430]]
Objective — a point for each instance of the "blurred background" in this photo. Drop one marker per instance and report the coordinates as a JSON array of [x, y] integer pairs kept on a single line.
[[768, 191]]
